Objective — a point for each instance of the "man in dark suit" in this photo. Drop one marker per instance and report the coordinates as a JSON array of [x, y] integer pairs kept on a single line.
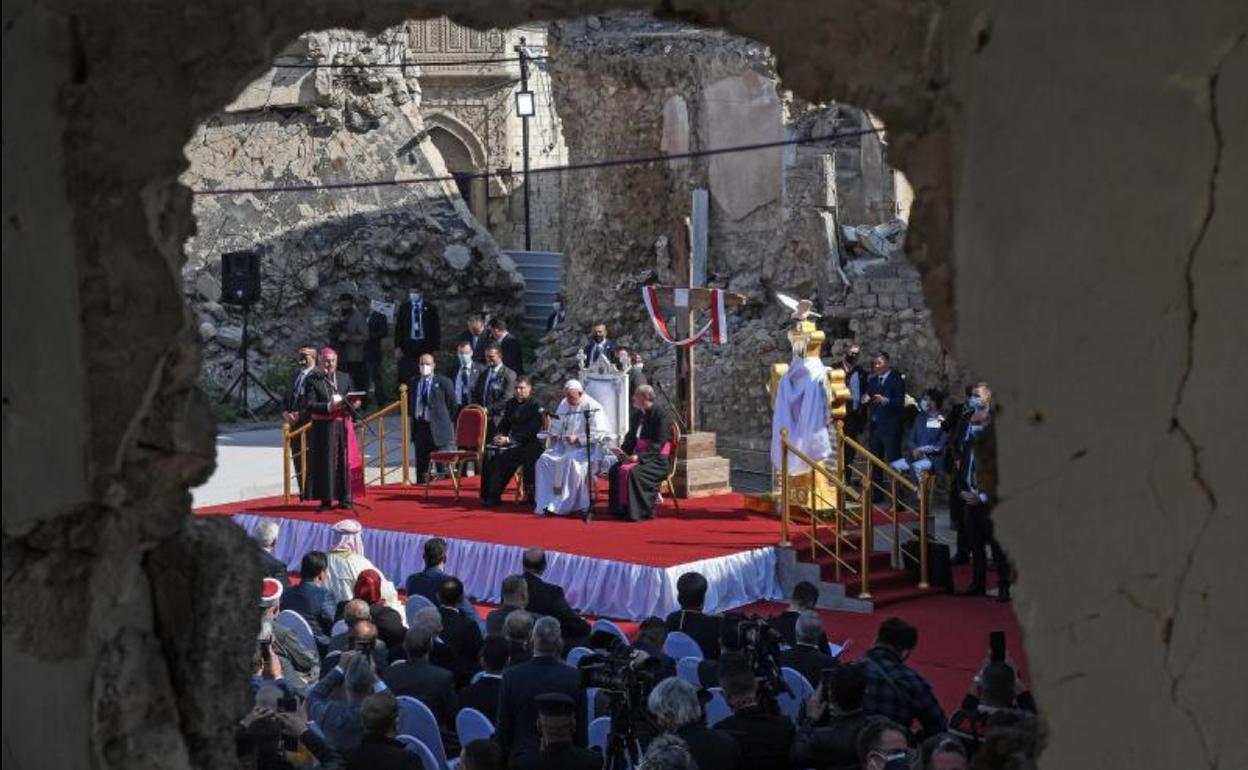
[[417, 331], [807, 657], [476, 337], [558, 313], [651, 635], [959, 433], [509, 346], [691, 590], [886, 401], [465, 374], [522, 683], [266, 540], [460, 632], [515, 593], [676, 709], [548, 599], [378, 749], [311, 598], [378, 330], [977, 488], [416, 677], [599, 346], [433, 410], [764, 736], [495, 386], [294, 411], [482, 694], [805, 598], [515, 445], [557, 720], [855, 410]]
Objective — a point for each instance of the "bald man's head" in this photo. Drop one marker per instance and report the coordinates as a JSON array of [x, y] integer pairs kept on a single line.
[[364, 631], [535, 560], [355, 611]]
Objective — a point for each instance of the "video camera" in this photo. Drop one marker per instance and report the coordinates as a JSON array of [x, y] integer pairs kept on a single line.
[[760, 642], [625, 677]]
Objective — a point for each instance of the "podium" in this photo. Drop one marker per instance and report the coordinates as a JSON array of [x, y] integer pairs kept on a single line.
[[700, 471]]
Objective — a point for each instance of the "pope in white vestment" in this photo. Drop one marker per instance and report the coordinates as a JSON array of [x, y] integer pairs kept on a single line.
[[346, 561], [562, 478]]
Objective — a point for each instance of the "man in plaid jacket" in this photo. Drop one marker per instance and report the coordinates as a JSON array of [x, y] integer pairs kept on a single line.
[[895, 690]]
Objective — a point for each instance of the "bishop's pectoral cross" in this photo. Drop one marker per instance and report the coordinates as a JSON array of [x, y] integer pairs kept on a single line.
[[688, 297]]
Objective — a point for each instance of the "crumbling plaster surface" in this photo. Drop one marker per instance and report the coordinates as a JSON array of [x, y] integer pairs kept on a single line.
[[1078, 170]]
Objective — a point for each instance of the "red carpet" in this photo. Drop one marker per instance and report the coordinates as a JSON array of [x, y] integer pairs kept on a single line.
[[706, 528]]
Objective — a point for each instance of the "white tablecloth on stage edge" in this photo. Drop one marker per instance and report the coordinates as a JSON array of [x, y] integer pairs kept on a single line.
[[595, 586]]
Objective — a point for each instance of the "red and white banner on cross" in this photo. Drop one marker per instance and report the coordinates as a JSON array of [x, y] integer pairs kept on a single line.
[[717, 326]]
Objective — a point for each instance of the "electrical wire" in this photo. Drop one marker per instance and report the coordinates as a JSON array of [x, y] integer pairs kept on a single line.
[[347, 65], [609, 163]]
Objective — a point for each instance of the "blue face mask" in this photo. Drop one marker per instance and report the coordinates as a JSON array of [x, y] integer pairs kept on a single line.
[[974, 402], [465, 358]]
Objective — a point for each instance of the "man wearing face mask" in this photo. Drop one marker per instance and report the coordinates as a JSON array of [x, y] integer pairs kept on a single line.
[[417, 330], [855, 411], [294, 412], [882, 746], [465, 374], [515, 445], [433, 409], [928, 435], [495, 386], [977, 488], [476, 337], [557, 315], [600, 346], [885, 398]]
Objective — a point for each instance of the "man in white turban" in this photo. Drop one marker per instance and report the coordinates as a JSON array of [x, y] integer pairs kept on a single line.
[[347, 560], [562, 477]]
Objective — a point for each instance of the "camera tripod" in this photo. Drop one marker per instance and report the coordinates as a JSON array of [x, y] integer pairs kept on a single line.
[[623, 751]]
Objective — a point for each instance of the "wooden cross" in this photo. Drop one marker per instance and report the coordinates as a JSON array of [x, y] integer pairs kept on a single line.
[[699, 299]]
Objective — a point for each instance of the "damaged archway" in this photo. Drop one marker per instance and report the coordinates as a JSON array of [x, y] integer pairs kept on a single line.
[[119, 645]]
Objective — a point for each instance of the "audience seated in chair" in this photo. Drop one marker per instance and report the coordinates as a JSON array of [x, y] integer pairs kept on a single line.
[[290, 661], [311, 599], [378, 749], [515, 593], [389, 622], [430, 684], [557, 717], [827, 738], [805, 597], [482, 754], [882, 743], [334, 703], [675, 706], [482, 694], [361, 631], [704, 629], [548, 599], [668, 752], [651, 635], [430, 619], [271, 566], [765, 736], [518, 631], [259, 738], [427, 582], [807, 656], [460, 632], [523, 682]]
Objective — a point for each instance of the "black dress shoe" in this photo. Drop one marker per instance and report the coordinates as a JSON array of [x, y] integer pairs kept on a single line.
[[322, 508], [344, 506], [974, 590], [1003, 594], [490, 502], [588, 517]]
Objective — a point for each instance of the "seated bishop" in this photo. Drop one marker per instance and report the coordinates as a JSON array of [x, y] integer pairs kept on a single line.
[[562, 472], [644, 459], [515, 445]]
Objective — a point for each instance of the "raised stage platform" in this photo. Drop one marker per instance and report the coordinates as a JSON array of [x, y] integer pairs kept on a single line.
[[609, 568]]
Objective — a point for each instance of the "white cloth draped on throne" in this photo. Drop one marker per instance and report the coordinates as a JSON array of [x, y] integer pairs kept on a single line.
[[802, 408], [562, 478]]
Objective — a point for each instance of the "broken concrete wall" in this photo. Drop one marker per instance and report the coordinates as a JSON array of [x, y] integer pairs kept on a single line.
[[1029, 131], [305, 125]]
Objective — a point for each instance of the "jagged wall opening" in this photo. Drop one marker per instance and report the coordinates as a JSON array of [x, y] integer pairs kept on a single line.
[[1119, 480]]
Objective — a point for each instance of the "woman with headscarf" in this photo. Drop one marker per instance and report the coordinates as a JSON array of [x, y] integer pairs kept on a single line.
[[369, 588]]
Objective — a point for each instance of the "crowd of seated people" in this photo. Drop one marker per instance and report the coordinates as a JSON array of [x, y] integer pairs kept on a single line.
[[339, 697]]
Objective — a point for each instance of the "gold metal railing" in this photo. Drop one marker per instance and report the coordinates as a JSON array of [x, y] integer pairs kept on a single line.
[[853, 509], [371, 432]]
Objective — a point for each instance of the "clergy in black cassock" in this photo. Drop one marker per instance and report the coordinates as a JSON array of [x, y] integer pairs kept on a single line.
[[635, 480], [329, 458], [515, 444]]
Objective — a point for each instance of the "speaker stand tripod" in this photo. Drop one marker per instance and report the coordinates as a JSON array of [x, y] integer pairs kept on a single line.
[[246, 378]]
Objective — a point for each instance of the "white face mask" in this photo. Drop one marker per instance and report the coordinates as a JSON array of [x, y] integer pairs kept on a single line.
[[557, 306], [638, 365], [426, 369], [465, 358]]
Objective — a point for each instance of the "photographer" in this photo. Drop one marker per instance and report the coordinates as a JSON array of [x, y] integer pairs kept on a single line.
[[895, 690], [361, 633], [338, 713], [556, 722], [676, 709], [764, 735], [378, 749], [275, 736], [282, 656], [827, 738], [996, 688]]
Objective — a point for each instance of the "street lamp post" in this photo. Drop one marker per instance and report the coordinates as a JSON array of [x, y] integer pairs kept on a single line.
[[525, 108]]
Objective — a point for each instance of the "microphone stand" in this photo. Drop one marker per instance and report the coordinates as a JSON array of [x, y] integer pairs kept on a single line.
[[589, 464]]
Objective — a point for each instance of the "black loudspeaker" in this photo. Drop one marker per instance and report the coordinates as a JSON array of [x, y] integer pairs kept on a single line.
[[939, 563], [240, 278]]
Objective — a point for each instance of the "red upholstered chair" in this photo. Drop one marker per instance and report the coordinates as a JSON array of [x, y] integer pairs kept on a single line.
[[671, 471], [469, 445]]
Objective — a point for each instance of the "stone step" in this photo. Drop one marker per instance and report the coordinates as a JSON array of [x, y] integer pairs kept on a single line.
[[697, 445], [702, 477]]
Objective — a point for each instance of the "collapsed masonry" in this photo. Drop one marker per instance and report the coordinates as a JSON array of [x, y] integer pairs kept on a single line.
[[816, 220], [302, 124]]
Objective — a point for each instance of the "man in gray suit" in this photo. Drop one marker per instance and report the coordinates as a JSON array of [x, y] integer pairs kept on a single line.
[[433, 409]]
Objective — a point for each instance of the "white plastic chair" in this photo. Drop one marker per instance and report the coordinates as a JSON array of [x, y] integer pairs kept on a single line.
[[609, 627], [681, 645], [717, 709], [416, 720], [687, 669], [296, 623], [599, 729], [576, 653], [418, 747], [339, 628], [414, 602], [791, 705], [471, 725], [591, 696]]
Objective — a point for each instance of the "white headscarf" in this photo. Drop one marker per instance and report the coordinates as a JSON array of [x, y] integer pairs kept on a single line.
[[573, 385], [350, 539]]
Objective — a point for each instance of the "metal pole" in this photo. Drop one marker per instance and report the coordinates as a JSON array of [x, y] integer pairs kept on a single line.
[[286, 463], [784, 487], [867, 542], [524, 132], [923, 484], [381, 449], [404, 427]]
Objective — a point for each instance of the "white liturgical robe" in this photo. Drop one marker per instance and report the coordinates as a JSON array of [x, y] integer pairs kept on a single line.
[[562, 477], [802, 408]]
